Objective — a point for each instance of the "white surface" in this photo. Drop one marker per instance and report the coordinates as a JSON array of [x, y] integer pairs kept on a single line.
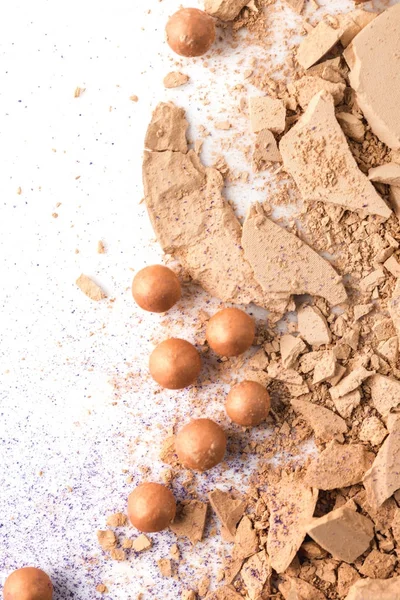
[[63, 356]]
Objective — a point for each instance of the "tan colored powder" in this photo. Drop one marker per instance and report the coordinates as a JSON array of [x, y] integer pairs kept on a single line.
[[90, 288], [175, 79], [117, 520], [190, 520], [107, 539], [229, 511]]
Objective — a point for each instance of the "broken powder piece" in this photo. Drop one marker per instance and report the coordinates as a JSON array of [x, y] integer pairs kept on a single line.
[[325, 368], [374, 589], [305, 88], [190, 520], [389, 349], [283, 264], [325, 424], [101, 588], [394, 307], [165, 567], [232, 570], [117, 520], [394, 197], [378, 565], [393, 266], [174, 552], [118, 554], [267, 113], [316, 153], [364, 56], [291, 504], [246, 540], [330, 69], [298, 589], [351, 382], [141, 543], [317, 43], [346, 404], [167, 129], [351, 337], [384, 329], [226, 10], [371, 281], [385, 393], [383, 478], [224, 593], [309, 361], [222, 125], [339, 371], [265, 150], [388, 173], [396, 526], [353, 22], [90, 288], [255, 574], [343, 533], [127, 544], [360, 310], [175, 79], [352, 127], [78, 92], [296, 5], [229, 511], [313, 326], [203, 586], [101, 249], [107, 539], [338, 466], [188, 595], [259, 360], [291, 347], [346, 577]]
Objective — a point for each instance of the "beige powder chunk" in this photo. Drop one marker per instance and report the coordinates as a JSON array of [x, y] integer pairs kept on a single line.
[[190, 520], [229, 511], [343, 533], [297, 589], [90, 288], [165, 567], [385, 393], [310, 360], [101, 249], [374, 589], [226, 10], [394, 306], [384, 329], [388, 173], [118, 554], [291, 505], [378, 565], [267, 113], [338, 466], [107, 539], [255, 574], [360, 310], [316, 153], [376, 95], [339, 372], [141, 543], [389, 349], [175, 79], [297, 5], [346, 404], [396, 526], [265, 150], [117, 520], [317, 43], [304, 89], [283, 264], [313, 326], [393, 266], [372, 431], [383, 478], [347, 576], [291, 347], [325, 368], [246, 540], [224, 593], [353, 23], [188, 595], [394, 197], [167, 130], [324, 422], [372, 280], [222, 125], [290, 377], [203, 586], [352, 126], [350, 383]]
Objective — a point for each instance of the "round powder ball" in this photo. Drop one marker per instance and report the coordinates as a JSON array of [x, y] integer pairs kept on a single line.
[[151, 507], [175, 364], [248, 403], [156, 288], [190, 32], [200, 445], [28, 583], [230, 332]]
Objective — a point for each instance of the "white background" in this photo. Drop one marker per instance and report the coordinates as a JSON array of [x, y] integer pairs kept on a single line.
[[73, 426]]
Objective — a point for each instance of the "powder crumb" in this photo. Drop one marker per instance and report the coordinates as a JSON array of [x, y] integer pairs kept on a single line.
[[54, 215], [116, 520], [118, 554], [134, 98], [165, 567], [107, 539], [203, 586], [175, 79], [174, 552], [101, 588], [141, 543], [19, 191], [90, 288], [188, 595], [101, 249], [223, 125], [78, 92], [372, 431], [127, 544]]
